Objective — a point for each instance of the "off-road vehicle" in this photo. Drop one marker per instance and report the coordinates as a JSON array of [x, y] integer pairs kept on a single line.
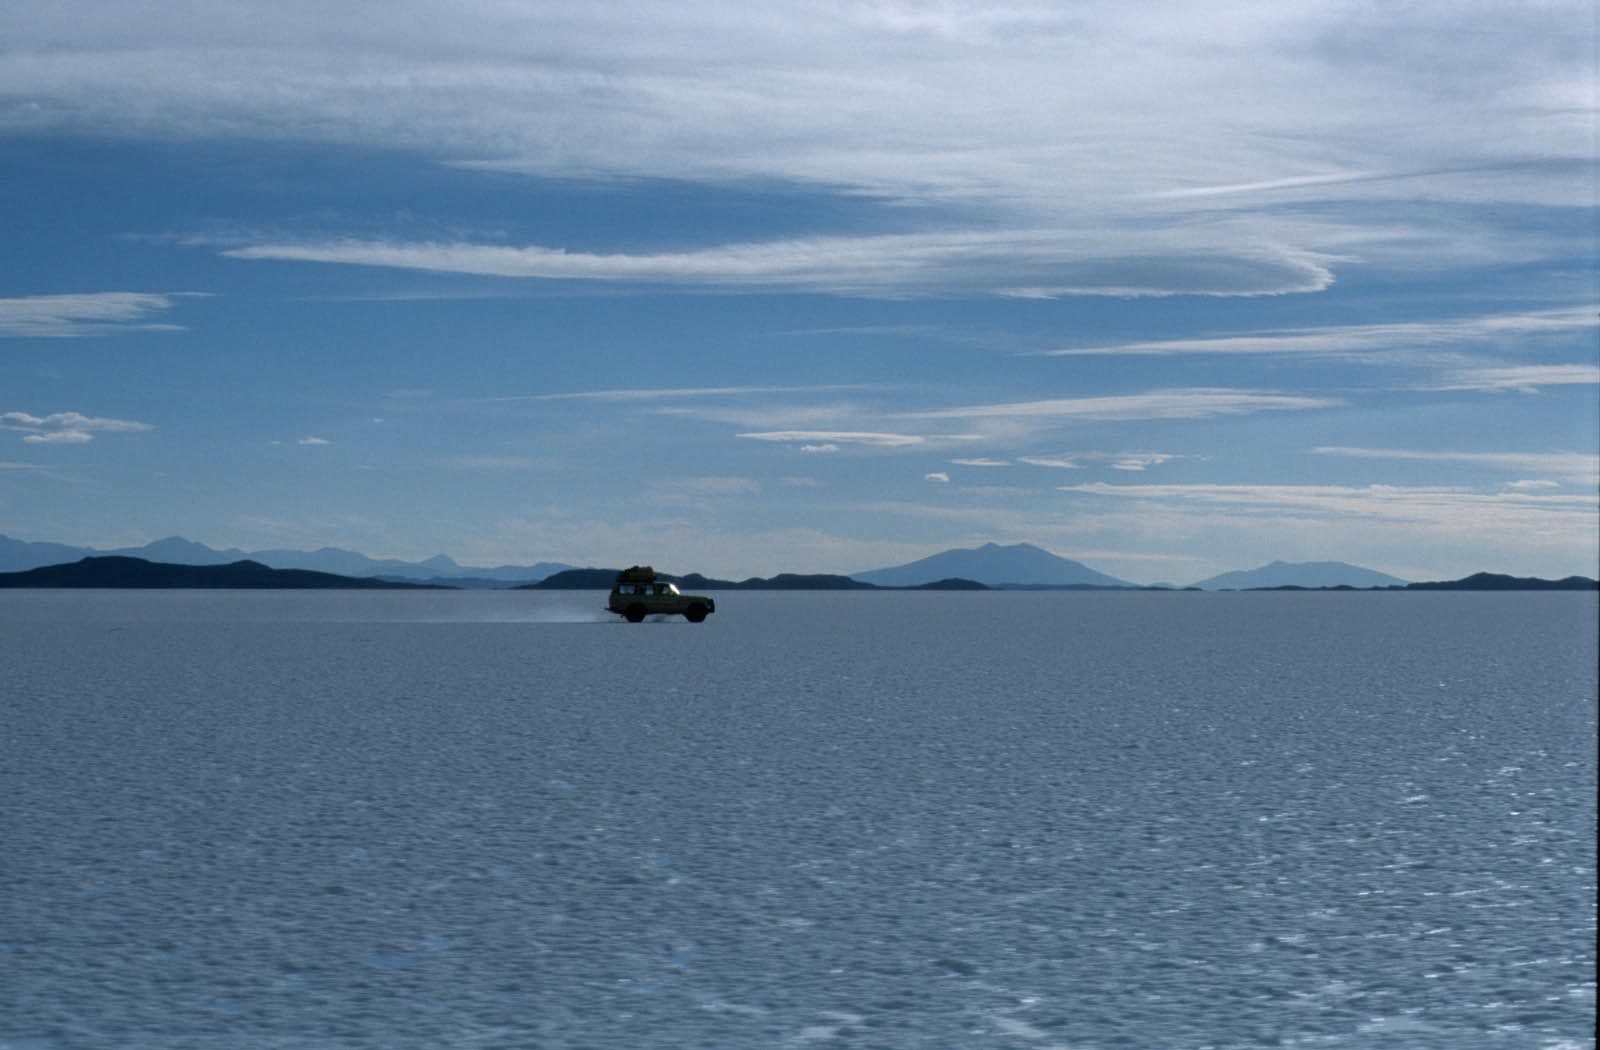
[[637, 594]]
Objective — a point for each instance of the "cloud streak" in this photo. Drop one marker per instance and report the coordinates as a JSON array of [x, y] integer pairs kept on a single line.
[[1361, 340], [79, 316], [66, 428], [1017, 263], [1430, 506], [898, 100], [1196, 403], [819, 440], [1581, 467], [1524, 379], [678, 393], [1163, 151]]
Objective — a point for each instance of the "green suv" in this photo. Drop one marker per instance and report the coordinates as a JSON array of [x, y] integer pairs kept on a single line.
[[637, 594]]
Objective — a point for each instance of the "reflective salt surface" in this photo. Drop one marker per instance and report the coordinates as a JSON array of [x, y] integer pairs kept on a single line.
[[880, 820]]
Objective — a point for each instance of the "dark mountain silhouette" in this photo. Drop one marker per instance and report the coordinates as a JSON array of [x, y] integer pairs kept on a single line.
[[575, 580], [16, 555], [994, 566], [1300, 574], [1020, 566], [601, 579], [120, 571], [1491, 581]]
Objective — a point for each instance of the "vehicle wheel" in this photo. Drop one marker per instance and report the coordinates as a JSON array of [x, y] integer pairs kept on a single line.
[[635, 614], [695, 613]]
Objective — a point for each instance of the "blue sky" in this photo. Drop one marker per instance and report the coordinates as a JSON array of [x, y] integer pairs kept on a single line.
[[742, 288]]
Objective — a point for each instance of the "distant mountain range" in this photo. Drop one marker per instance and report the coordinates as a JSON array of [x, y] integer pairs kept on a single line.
[[601, 579], [1019, 565], [116, 571], [119, 572], [17, 555], [1301, 574], [1022, 565]]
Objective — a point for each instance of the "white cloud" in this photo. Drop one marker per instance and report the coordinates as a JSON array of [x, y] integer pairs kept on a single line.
[[1032, 263], [1014, 101], [1156, 404], [1108, 122], [88, 314], [1116, 460], [836, 438], [676, 393], [981, 462], [66, 428], [1365, 341], [1139, 460], [1580, 467], [313, 440], [820, 450], [1436, 505], [1054, 462], [1526, 379], [937, 475]]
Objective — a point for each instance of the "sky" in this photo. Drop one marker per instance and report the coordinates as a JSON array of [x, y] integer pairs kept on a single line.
[[745, 288]]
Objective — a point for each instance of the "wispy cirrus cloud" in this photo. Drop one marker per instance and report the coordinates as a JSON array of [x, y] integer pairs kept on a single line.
[[1468, 528], [819, 439], [1166, 141], [1031, 263], [1365, 341], [1453, 508], [1130, 461], [86, 314], [1191, 403], [1013, 421], [1136, 461], [677, 393], [898, 100], [1523, 379], [1580, 467], [66, 428], [1053, 462]]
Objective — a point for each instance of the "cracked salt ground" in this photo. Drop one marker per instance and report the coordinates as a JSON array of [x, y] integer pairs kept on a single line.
[[1030, 820]]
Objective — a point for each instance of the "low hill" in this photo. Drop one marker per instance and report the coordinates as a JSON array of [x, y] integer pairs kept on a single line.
[[574, 580], [1493, 581], [784, 581], [116, 571]]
